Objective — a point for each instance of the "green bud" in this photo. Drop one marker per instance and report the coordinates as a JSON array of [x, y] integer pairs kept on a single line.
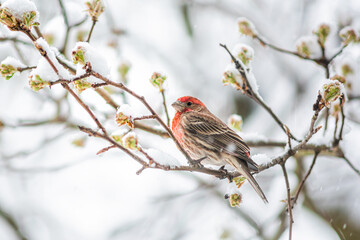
[[49, 38], [230, 78], [244, 53], [235, 122], [246, 27], [81, 35], [15, 24], [79, 142], [118, 135], [338, 78], [7, 71], [117, 138], [123, 70], [7, 18], [29, 19], [78, 56], [157, 80], [346, 70], [122, 119], [130, 141], [123, 116], [322, 33], [95, 9], [303, 49], [349, 35], [235, 199], [36, 83], [239, 181], [81, 85], [331, 92]]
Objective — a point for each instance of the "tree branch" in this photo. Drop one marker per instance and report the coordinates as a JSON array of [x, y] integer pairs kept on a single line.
[[301, 185], [250, 93], [13, 224], [91, 30], [147, 105], [291, 219], [165, 107]]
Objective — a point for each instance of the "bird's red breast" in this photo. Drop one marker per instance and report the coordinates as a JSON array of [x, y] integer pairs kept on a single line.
[[176, 126]]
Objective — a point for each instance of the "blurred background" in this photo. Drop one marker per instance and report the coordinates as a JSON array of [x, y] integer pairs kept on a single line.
[[54, 186]]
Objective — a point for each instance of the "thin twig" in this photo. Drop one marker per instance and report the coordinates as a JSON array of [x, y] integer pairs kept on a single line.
[[13, 224], [342, 122], [301, 185], [289, 153], [339, 138], [326, 120], [165, 107], [15, 40], [68, 26], [91, 30], [351, 165], [85, 75], [106, 97], [25, 68], [147, 105], [105, 149], [67, 32], [291, 219], [86, 107], [338, 53], [250, 93], [335, 129], [265, 43], [145, 117], [38, 32], [65, 85], [320, 61]]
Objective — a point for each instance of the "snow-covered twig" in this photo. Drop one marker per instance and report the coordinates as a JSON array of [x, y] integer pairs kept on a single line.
[[68, 26], [147, 105], [250, 93], [282, 158]]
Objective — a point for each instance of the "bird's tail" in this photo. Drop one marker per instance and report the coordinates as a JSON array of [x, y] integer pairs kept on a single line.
[[241, 168]]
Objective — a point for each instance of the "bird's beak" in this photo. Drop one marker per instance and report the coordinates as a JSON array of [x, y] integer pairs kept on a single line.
[[178, 106]]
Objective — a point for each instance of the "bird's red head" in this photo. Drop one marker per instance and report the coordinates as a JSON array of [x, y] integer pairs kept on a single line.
[[188, 103]]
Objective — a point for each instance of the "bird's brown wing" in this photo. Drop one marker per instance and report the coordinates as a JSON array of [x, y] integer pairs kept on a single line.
[[218, 135]]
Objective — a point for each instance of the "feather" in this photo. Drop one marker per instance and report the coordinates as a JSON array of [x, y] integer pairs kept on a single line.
[[207, 127]]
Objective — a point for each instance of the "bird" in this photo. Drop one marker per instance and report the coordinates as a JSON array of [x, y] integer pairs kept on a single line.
[[204, 136]]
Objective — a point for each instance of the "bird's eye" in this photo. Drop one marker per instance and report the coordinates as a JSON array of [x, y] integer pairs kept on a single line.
[[189, 103]]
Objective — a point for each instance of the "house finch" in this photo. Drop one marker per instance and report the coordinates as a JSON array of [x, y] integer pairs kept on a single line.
[[204, 136]]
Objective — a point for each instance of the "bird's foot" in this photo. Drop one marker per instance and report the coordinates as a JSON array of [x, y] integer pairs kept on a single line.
[[197, 163], [226, 173]]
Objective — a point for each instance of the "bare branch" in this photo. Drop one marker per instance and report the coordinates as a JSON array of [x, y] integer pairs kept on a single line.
[[105, 149], [351, 165], [291, 219], [13, 224], [87, 109], [289, 153], [106, 97], [147, 105], [91, 30], [15, 40], [145, 117], [165, 107], [301, 185], [250, 93]]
